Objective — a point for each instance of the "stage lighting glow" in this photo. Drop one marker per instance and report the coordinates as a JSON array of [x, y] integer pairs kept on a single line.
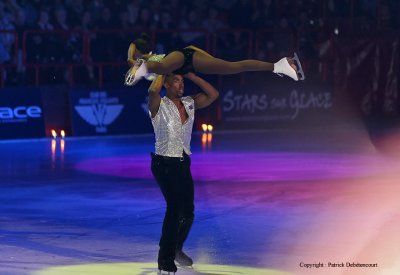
[[151, 268], [204, 138], [53, 152], [54, 133], [62, 133], [336, 31], [62, 146], [204, 127], [53, 146]]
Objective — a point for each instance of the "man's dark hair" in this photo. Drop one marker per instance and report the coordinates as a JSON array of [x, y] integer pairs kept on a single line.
[[143, 43], [169, 77]]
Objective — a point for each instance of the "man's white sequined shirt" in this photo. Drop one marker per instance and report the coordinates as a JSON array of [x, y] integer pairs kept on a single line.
[[173, 136]]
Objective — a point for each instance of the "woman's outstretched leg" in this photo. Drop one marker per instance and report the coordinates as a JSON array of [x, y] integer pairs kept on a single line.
[[211, 65]]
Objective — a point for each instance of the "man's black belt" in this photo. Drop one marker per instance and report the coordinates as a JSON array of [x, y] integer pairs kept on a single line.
[[165, 158]]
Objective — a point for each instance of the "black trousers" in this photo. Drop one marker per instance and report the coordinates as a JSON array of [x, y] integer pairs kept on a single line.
[[176, 183]]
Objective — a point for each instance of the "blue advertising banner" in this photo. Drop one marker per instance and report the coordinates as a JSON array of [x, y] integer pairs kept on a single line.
[[109, 112], [21, 114], [273, 101]]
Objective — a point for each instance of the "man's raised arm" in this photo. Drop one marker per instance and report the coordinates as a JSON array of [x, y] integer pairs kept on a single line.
[[154, 94], [209, 94]]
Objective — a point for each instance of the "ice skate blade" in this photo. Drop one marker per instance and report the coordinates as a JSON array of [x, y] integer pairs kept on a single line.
[[300, 72], [136, 73], [163, 272], [183, 266]]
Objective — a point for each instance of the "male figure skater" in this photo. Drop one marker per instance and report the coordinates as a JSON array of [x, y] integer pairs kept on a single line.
[[172, 117]]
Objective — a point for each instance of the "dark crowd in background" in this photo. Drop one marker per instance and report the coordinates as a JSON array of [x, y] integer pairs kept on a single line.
[[89, 32]]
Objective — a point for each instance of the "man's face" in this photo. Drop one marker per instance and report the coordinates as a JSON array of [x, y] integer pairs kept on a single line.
[[174, 85]]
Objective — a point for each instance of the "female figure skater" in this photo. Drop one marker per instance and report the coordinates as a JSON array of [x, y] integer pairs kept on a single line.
[[192, 59]]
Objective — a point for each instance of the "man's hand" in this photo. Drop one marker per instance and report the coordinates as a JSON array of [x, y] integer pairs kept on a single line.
[[190, 75]]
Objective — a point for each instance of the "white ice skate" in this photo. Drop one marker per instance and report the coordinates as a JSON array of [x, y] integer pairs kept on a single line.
[[282, 67], [136, 72], [182, 260]]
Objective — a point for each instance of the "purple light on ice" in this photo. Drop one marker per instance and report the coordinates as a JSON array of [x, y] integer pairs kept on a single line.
[[239, 167]]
